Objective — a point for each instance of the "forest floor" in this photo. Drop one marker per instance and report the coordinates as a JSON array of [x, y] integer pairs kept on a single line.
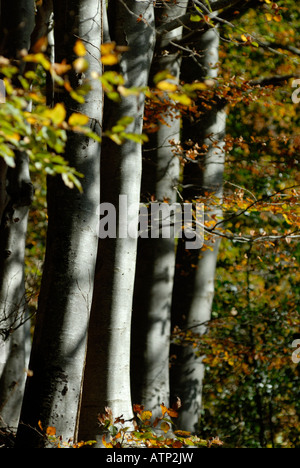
[[7, 439]]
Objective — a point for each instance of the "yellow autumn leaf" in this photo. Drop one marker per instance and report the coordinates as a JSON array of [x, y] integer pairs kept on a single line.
[[165, 427], [109, 55], [287, 219], [182, 433], [199, 87], [269, 16], [80, 65], [110, 59], [244, 38], [38, 58], [181, 99], [166, 86], [146, 415], [57, 114], [108, 48], [78, 119], [80, 49]]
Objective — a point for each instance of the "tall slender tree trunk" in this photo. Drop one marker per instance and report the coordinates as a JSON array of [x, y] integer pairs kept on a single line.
[[107, 377], [193, 293], [53, 393], [13, 306], [16, 193], [151, 327]]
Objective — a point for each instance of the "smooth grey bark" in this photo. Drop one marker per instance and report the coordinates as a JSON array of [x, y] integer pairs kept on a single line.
[[3, 169], [193, 292], [13, 306], [16, 194], [151, 326], [107, 376], [52, 394]]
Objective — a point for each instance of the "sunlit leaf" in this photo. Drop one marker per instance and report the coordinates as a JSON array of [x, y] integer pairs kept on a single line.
[[163, 75], [172, 413], [165, 427], [146, 415], [106, 444], [110, 59], [78, 119], [51, 431], [181, 99], [80, 65], [166, 86], [38, 58], [57, 114], [195, 18], [79, 48]]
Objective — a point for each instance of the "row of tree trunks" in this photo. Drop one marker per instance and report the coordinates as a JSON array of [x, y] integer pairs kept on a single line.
[[85, 343]]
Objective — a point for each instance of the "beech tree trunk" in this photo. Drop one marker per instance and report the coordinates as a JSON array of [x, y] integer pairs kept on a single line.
[[53, 393], [151, 327], [16, 194], [193, 293], [13, 306], [107, 376]]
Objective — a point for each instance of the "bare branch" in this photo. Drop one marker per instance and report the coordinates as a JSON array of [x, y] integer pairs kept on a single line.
[[276, 80], [277, 45]]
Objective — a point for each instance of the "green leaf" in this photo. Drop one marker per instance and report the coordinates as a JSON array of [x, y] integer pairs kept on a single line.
[[8, 156], [136, 137], [195, 18], [125, 121]]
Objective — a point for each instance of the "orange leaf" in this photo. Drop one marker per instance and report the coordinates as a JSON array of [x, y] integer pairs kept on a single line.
[[106, 445], [177, 444], [40, 45], [51, 431], [172, 413], [138, 408], [182, 433]]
